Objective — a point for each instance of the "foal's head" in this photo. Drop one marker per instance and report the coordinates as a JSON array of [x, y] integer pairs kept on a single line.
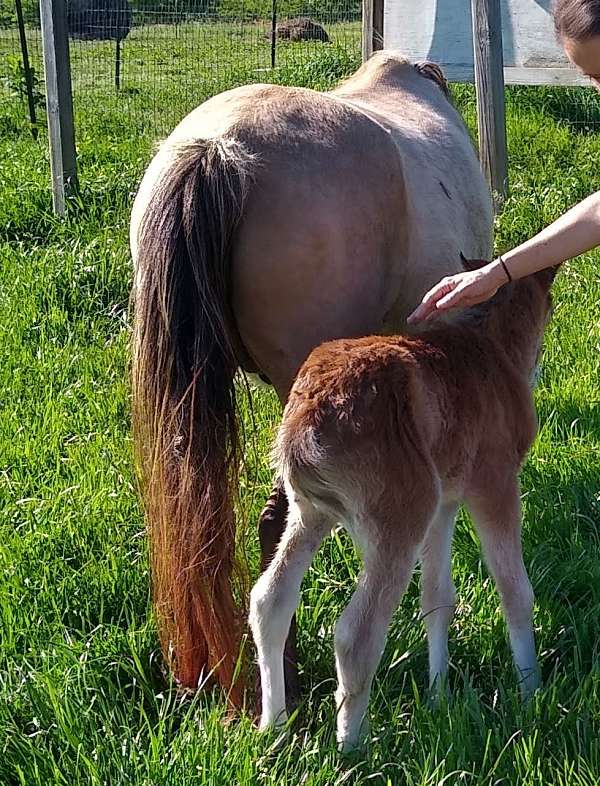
[[517, 315]]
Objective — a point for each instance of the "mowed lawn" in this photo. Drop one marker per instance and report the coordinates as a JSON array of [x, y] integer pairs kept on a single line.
[[83, 699]]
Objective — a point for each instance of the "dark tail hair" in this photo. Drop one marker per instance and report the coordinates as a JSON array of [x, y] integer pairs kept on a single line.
[[185, 429]]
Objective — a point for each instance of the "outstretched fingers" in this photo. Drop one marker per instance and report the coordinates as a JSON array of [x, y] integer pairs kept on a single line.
[[458, 296], [459, 291], [432, 299]]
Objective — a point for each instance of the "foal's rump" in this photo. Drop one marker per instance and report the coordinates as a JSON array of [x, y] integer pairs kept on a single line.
[[353, 442]]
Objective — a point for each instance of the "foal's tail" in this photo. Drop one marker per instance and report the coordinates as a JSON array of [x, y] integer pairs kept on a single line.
[[185, 428]]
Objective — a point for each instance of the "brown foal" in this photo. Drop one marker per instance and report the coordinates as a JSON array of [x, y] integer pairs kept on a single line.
[[388, 435]]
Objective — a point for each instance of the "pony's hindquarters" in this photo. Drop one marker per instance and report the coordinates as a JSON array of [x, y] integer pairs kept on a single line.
[[321, 252], [185, 429]]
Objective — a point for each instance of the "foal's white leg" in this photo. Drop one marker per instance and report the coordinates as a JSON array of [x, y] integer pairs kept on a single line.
[[359, 641], [497, 518], [438, 595], [274, 599]]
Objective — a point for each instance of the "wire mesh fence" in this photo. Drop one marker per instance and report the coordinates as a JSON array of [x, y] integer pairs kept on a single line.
[[147, 65], [138, 66]]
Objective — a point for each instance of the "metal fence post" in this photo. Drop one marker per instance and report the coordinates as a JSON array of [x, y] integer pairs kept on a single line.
[[26, 68], [377, 35], [273, 32], [372, 27], [59, 101], [489, 87]]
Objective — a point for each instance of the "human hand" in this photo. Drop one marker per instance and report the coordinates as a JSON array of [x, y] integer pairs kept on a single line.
[[460, 291]]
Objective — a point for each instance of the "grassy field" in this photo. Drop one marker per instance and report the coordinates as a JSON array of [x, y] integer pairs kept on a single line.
[[82, 698]]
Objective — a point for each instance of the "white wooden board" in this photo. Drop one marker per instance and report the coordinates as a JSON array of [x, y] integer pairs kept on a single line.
[[441, 30]]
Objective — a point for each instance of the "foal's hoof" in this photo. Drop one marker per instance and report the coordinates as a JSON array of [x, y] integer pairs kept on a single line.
[[350, 741], [275, 736], [349, 746], [438, 693], [273, 721], [529, 682]]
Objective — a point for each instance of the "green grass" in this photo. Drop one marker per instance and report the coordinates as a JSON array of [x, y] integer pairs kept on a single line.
[[82, 696]]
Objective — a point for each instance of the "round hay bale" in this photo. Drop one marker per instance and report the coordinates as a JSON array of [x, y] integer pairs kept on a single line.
[[301, 29], [99, 20]]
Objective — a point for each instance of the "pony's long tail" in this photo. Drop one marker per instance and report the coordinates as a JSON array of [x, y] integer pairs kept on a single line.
[[185, 428]]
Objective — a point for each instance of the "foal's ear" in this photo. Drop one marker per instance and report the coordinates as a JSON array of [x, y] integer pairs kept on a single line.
[[434, 72]]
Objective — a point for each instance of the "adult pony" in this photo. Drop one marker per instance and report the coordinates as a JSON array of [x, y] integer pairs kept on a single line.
[[273, 219]]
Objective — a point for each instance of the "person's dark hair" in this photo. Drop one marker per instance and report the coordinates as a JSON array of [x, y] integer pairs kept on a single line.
[[577, 19]]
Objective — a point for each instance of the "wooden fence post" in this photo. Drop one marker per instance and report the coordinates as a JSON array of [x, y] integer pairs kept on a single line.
[[372, 27], [489, 87], [59, 101]]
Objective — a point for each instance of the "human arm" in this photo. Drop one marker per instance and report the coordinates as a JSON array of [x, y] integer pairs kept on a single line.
[[574, 233]]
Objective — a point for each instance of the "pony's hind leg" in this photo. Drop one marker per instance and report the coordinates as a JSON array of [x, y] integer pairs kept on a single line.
[[271, 523], [497, 517], [438, 595], [274, 599]]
